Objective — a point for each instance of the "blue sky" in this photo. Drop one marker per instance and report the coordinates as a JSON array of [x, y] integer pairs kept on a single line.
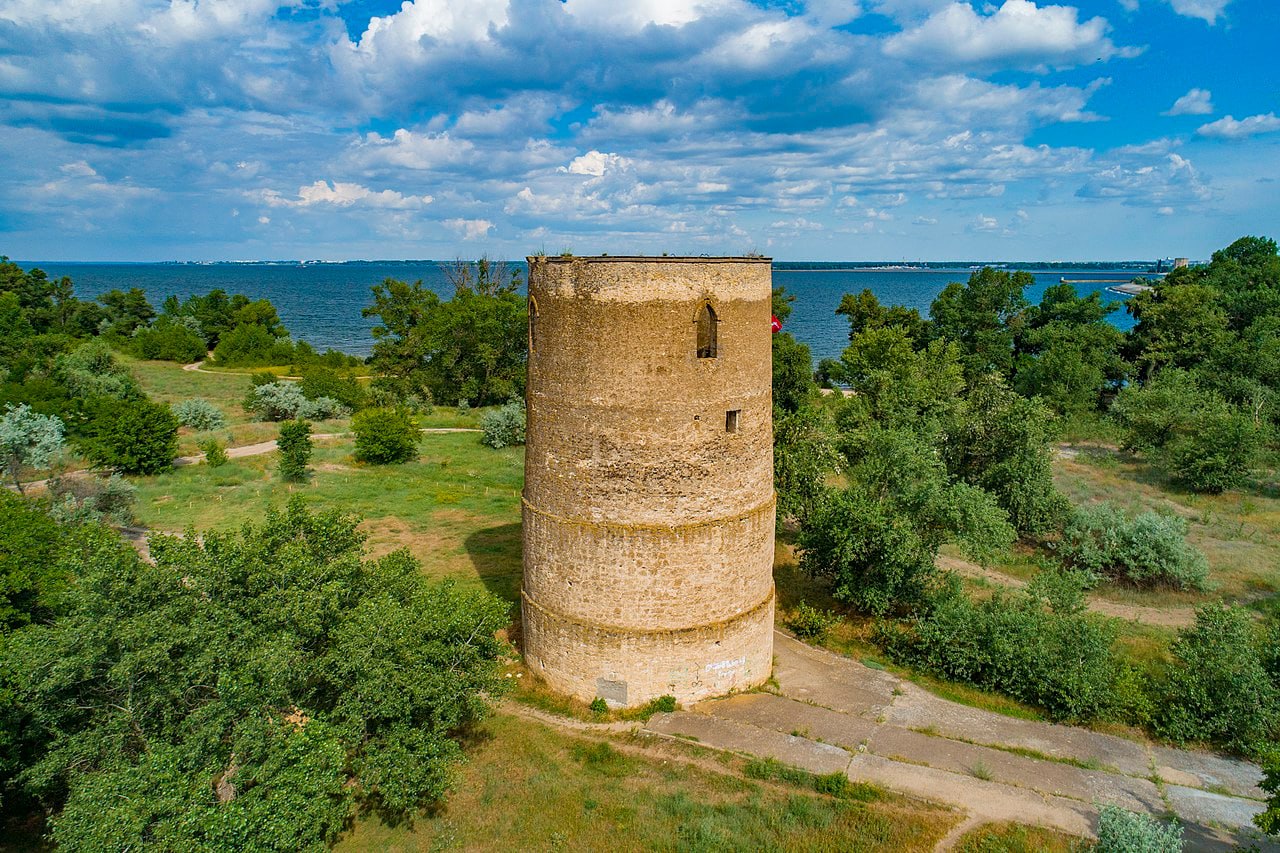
[[804, 129]]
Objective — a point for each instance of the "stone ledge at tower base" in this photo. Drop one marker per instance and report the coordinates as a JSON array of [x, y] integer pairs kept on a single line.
[[631, 668]]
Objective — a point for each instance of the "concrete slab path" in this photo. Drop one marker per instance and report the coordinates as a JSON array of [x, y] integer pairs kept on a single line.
[[833, 714]]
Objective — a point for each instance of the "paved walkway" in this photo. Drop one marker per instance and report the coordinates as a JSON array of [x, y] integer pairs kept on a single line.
[[832, 714]]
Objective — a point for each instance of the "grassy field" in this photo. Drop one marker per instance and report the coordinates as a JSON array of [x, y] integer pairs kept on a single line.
[[1016, 838], [529, 787]]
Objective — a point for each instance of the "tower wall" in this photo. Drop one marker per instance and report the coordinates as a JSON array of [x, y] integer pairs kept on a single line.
[[648, 514]]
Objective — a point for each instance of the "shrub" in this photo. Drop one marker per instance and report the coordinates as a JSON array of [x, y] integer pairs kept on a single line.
[[1218, 689], [87, 499], [133, 436], [90, 370], [284, 401], [664, 705], [810, 623], [504, 426], [30, 577], [1036, 646], [385, 436], [1147, 550], [28, 440], [199, 414], [598, 706], [1121, 831], [322, 383], [1269, 820], [1215, 452], [294, 445], [169, 341], [215, 454], [252, 345]]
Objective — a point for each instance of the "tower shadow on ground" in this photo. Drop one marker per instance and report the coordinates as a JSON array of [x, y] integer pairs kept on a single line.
[[495, 554]]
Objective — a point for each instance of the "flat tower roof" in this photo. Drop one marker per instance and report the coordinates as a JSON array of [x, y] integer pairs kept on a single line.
[[665, 259]]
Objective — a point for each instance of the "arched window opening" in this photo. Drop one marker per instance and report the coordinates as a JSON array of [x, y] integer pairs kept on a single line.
[[707, 332], [533, 323]]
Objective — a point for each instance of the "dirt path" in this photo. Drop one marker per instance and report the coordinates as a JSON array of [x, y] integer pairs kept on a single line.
[[198, 367], [1174, 616], [832, 714]]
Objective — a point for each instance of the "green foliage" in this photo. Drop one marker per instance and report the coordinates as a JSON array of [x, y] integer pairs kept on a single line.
[[664, 704], [809, 623], [793, 384], [294, 445], [126, 312], [504, 426], [132, 436], [982, 317], [472, 347], [90, 370], [1218, 689], [1269, 820], [599, 706], [168, 340], [1038, 646], [804, 456], [253, 345], [215, 454], [385, 436], [250, 690], [1121, 831], [1001, 442], [28, 440], [281, 401], [897, 384], [321, 382], [865, 312], [77, 500], [876, 541], [1147, 550], [30, 578], [835, 784], [1194, 435], [199, 414], [1067, 352]]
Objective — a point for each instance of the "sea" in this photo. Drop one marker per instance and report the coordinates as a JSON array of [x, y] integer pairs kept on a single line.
[[321, 302]]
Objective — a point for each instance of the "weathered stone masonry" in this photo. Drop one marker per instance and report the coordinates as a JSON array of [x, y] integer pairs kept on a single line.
[[648, 500]]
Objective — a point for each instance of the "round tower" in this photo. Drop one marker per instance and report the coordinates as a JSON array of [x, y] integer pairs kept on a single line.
[[648, 500]]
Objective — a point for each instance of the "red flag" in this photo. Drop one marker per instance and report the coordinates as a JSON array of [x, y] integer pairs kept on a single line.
[[777, 324]]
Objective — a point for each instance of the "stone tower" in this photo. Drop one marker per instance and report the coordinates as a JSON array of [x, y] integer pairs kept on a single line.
[[648, 500]]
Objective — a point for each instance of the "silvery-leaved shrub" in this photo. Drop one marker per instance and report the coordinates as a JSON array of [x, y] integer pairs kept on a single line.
[[1121, 831], [83, 499], [284, 401], [504, 426], [1148, 549], [199, 414]]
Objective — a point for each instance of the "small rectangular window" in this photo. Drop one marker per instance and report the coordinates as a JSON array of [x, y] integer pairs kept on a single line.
[[731, 420]]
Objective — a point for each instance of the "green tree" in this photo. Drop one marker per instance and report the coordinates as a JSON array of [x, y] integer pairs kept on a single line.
[[864, 312], [793, 384], [318, 381], [1218, 688], [896, 384], [385, 436], [1067, 353], [29, 575], [472, 347], [133, 436], [249, 690], [28, 440], [126, 311], [1001, 442], [1179, 324], [983, 317], [876, 540], [1269, 820], [294, 445], [805, 454]]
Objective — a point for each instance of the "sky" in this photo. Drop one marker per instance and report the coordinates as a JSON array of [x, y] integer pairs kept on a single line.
[[801, 129]]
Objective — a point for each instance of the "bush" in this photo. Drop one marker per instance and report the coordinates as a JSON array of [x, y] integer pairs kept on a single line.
[[77, 500], [90, 370], [284, 401], [1269, 820], [599, 706], [1121, 831], [133, 436], [322, 383], [1036, 646], [294, 445], [1214, 453], [385, 436], [809, 623], [253, 345], [1147, 550], [504, 426], [664, 705], [215, 454], [169, 341], [199, 414], [1218, 690]]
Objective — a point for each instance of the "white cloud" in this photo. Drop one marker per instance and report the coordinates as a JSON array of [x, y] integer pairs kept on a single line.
[[1206, 10], [264, 220], [636, 14], [469, 229], [595, 163], [1018, 32], [1197, 102], [340, 194], [1231, 128], [985, 223], [924, 220]]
